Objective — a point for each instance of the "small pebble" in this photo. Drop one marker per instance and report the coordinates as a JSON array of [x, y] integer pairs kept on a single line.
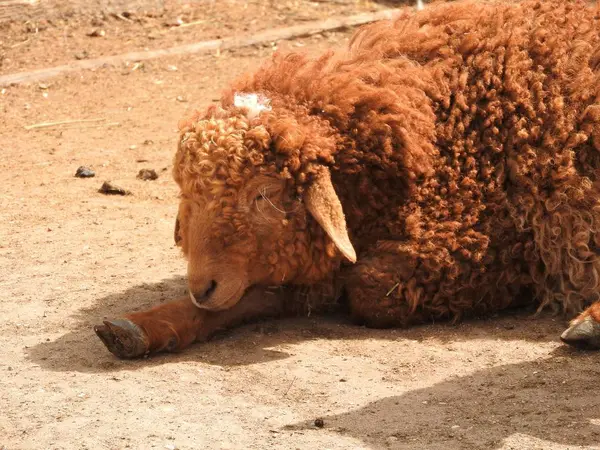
[[152, 35], [147, 174], [319, 423], [84, 172], [96, 33], [111, 189], [81, 55]]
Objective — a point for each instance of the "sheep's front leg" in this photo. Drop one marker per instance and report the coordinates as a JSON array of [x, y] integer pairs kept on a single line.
[[383, 292], [584, 330], [169, 327], [175, 325]]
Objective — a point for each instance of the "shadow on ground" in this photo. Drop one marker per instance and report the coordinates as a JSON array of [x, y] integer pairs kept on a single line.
[[554, 400], [80, 349]]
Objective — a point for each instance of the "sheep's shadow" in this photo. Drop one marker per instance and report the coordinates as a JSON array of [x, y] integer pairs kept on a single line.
[[553, 400], [81, 350]]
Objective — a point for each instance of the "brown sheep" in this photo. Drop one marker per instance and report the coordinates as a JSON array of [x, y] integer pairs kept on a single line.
[[445, 165]]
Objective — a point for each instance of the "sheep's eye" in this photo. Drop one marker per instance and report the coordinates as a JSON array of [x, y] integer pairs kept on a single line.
[[262, 195]]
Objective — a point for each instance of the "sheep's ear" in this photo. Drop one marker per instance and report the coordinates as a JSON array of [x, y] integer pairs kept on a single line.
[[324, 205]]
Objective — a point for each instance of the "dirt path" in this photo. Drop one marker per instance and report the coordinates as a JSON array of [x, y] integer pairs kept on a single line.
[[42, 43], [70, 256]]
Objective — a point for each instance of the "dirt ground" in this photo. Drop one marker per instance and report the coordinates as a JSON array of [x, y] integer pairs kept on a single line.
[[70, 256]]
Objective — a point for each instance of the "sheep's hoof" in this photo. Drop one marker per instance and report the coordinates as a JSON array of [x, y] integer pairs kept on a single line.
[[123, 338], [583, 333]]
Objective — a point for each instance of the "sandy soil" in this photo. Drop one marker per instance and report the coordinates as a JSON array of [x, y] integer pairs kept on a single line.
[[70, 256]]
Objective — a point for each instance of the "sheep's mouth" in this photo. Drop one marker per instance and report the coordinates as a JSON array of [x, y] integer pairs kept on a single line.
[[219, 296], [211, 289]]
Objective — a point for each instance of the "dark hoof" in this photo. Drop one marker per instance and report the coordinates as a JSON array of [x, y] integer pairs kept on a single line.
[[584, 334], [123, 338]]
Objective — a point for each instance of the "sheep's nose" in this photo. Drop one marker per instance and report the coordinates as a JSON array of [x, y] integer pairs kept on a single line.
[[201, 296]]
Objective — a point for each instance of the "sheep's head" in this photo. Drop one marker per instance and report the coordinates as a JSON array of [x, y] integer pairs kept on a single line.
[[248, 215]]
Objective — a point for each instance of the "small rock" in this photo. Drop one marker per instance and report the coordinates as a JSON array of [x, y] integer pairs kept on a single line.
[[110, 189], [148, 142], [172, 68], [96, 33], [153, 35], [43, 86], [84, 172], [319, 423], [173, 23], [342, 380], [181, 98], [392, 439], [81, 55], [147, 174]]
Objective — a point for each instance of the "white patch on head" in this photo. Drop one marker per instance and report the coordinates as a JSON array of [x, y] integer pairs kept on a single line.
[[420, 5], [254, 103]]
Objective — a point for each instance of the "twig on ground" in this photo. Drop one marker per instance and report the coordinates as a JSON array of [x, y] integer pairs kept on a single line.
[[18, 44], [189, 24], [98, 125], [123, 18], [289, 387], [60, 122]]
